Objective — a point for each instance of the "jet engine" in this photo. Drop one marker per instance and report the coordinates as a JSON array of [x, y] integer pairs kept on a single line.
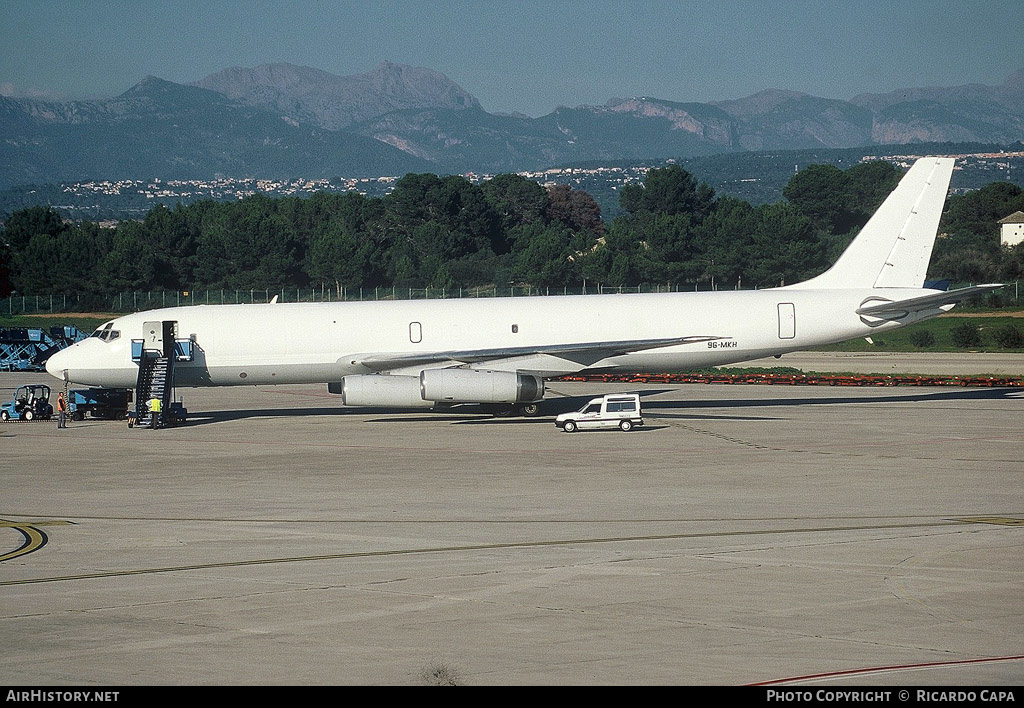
[[478, 386], [380, 390], [438, 386]]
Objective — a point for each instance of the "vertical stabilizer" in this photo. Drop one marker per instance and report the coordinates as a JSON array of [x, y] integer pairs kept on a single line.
[[894, 247]]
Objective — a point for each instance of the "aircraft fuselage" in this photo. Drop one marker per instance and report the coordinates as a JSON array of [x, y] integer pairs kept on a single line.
[[323, 342]]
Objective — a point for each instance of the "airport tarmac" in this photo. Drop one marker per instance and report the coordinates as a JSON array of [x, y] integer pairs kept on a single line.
[[746, 534]]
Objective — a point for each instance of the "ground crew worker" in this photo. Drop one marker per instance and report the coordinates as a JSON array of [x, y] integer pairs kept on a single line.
[[62, 411], [154, 411]]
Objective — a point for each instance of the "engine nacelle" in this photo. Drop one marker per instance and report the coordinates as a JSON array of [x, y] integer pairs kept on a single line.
[[476, 386], [380, 390]]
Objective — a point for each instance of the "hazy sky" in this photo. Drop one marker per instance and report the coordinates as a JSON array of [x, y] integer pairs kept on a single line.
[[528, 56]]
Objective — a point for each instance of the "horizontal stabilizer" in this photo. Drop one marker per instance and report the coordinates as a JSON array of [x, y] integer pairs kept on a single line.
[[924, 302]]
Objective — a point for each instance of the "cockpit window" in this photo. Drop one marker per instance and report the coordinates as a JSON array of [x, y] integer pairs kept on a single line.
[[106, 333]]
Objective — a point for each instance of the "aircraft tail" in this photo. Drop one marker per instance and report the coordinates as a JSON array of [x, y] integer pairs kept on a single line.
[[894, 247]]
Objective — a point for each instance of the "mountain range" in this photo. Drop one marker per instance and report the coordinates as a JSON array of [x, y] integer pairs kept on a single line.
[[286, 121]]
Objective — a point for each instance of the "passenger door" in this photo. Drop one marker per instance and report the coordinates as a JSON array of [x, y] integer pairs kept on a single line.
[[591, 416]]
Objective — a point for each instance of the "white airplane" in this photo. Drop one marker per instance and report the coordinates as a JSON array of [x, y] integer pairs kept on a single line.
[[435, 353]]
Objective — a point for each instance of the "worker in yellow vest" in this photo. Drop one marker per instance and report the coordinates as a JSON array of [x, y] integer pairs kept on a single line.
[[154, 411]]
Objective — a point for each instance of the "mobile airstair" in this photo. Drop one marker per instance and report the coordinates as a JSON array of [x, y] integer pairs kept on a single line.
[[156, 354]]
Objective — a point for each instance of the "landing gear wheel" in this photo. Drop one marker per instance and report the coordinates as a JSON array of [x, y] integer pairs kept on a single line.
[[626, 426], [569, 426]]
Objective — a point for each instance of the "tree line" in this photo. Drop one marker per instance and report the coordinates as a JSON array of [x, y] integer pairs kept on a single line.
[[446, 232]]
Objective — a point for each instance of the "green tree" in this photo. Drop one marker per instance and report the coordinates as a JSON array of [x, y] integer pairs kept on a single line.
[[1009, 337], [922, 338], [271, 256], [969, 249], [1012, 262], [22, 225], [820, 192], [783, 247], [723, 243], [868, 184], [972, 216], [964, 265], [165, 230], [22, 269], [5, 274], [841, 202], [403, 272], [460, 219], [214, 260], [544, 255], [340, 256], [64, 263], [669, 190], [516, 200], [622, 256], [130, 263], [965, 335], [670, 245]]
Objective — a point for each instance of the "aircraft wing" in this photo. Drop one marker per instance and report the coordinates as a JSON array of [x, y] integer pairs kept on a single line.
[[924, 302], [582, 354]]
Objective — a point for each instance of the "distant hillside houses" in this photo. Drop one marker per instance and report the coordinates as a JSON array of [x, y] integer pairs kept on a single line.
[[1011, 229]]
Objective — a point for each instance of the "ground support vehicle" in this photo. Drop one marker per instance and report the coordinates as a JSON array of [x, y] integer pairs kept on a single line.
[[620, 410], [175, 414], [30, 402], [105, 403]]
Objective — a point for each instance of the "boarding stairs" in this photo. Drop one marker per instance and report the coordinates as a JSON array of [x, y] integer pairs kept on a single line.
[[156, 354], [156, 379]]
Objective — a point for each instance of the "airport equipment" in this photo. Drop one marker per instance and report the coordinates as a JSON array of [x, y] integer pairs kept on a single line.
[[20, 347], [620, 410], [175, 414], [104, 403], [30, 402], [28, 348], [156, 354]]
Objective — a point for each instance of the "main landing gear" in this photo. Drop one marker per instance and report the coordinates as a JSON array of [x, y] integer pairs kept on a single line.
[[507, 410]]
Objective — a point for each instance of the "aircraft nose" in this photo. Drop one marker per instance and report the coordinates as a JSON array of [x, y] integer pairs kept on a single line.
[[57, 364]]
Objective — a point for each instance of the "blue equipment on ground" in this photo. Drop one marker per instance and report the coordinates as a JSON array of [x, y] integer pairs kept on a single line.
[[30, 402], [105, 403], [28, 348]]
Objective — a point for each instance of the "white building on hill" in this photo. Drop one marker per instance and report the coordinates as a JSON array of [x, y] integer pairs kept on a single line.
[[1011, 229]]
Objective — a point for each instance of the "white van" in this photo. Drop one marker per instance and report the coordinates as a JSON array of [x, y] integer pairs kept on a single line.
[[618, 410]]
